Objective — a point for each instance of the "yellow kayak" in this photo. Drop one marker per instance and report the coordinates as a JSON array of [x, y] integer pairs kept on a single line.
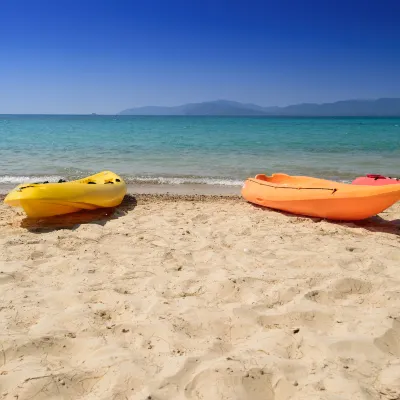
[[38, 200]]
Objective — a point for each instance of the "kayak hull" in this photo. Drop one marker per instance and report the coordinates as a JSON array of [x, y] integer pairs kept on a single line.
[[50, 199], [319, 198]]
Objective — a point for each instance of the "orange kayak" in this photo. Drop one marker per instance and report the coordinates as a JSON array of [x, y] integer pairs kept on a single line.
[[318, 197]]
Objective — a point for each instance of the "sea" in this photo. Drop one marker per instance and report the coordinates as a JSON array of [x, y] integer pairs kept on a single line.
[[179, 150]]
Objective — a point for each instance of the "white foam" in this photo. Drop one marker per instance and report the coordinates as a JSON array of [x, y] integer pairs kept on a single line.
[[28, 179], [186, 180]]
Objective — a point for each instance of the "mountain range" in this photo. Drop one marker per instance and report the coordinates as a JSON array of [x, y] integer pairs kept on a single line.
[[384, 107]]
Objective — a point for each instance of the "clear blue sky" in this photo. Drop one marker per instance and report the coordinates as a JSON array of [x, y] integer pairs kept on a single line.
[[69, 56]]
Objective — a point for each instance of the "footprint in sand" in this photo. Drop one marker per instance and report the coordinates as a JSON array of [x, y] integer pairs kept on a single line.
[[312, 319], [227, 382], [349, 286], [340, 290], [389, 342]]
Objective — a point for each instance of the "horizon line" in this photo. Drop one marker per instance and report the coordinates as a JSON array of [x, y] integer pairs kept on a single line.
[[221, 100]]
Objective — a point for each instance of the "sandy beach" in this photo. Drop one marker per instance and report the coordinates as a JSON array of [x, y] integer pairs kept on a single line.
[[173, 296]]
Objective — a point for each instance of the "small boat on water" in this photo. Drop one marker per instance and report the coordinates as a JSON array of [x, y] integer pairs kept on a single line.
[[38, 200], [375, 180], [319, 197]]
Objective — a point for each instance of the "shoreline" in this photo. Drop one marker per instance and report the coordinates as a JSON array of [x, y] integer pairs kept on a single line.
[[181, 189], [386, 222]]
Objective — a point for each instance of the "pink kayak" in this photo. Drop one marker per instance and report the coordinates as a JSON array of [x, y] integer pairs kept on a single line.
[[375, 180]]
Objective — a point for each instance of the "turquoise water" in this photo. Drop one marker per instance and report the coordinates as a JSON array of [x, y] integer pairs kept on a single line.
[[211, 150]]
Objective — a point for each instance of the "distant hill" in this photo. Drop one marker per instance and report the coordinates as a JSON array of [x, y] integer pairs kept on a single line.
[[218, 107], [385, 107]]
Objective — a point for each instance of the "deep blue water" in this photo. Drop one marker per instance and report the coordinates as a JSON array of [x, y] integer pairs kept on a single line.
[[196, 149]]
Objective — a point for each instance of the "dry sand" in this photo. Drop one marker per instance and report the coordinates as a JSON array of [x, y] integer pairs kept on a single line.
[[198, 298]]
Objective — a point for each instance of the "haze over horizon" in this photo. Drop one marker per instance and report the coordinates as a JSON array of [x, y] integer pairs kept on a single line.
[[73, 57]]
